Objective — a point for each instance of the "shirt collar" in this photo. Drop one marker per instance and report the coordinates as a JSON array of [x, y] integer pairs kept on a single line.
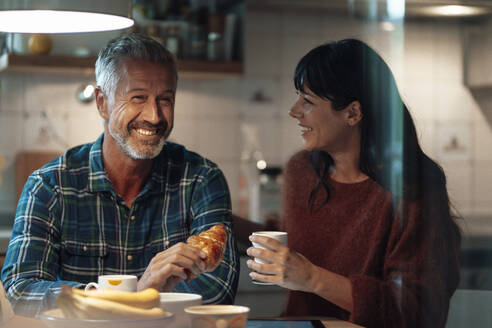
[[99, 180]]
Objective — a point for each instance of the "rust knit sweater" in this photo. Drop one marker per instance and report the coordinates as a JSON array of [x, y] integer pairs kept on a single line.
[[401, 275]]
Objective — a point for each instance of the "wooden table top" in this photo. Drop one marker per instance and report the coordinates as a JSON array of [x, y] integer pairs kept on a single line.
[[24, 322], [335, 323]]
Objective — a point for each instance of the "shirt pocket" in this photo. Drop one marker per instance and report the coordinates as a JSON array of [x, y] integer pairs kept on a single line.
[[82, 262]]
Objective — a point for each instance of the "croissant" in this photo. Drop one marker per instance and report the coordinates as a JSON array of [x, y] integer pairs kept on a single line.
[[213, 243]]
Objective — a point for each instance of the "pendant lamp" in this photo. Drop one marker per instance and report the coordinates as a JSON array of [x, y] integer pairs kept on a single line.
[[64, 16]]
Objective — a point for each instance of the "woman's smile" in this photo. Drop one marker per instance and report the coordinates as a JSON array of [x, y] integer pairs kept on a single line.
[[305, 130]]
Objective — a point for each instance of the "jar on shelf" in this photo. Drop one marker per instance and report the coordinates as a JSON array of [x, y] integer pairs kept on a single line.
[[40, 44], [173, 40], [154, 31], [215, 40], [139, 10], [197, 45]]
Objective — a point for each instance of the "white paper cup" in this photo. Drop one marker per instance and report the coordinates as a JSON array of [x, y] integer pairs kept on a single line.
[[281, 236], [126, 283], [176, 303]]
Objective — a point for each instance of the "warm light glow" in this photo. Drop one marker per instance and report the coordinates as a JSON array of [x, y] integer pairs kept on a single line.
[[89, 91], [454, 10], [58, 21], [261, 164], [387, 26], [85, 93], [396, 9]]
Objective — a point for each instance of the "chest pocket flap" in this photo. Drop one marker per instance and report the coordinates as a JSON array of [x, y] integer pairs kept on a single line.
[[85, 249]]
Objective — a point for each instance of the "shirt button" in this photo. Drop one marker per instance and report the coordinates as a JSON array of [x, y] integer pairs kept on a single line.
[[166, 243], [129, 257], [84, 248], [132, 217]]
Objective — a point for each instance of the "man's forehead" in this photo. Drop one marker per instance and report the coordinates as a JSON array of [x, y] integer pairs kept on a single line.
[[140, 62], [142, 81], [140, 74], [130, 65]]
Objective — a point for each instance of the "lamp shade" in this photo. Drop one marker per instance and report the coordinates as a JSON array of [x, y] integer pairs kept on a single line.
[[64, 16]]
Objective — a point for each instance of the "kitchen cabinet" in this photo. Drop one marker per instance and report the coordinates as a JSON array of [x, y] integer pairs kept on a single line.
[[59, 64]]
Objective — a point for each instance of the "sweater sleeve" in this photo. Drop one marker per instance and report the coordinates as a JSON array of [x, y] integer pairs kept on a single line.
[[420, 274]]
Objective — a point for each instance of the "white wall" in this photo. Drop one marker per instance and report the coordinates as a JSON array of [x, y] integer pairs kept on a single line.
[[426, 58]]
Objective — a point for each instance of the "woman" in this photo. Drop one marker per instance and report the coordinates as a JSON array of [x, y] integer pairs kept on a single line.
[[371, 235]]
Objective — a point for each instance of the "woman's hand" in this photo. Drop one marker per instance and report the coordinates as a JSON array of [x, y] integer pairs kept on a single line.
[[286, 268], [289, 269]]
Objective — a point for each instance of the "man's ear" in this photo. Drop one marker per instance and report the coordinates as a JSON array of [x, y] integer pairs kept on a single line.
[[354, 113], [102, 103]]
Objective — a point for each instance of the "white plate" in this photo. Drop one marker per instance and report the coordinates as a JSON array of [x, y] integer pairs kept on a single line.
[[55, 319]]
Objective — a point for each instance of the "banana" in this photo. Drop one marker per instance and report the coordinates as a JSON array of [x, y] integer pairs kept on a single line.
[[145, 299], [77, 306]]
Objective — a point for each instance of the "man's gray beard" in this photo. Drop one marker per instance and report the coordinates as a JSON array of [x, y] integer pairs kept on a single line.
[[122, 142]]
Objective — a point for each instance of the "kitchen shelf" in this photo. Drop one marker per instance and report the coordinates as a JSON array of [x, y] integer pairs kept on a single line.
[[59, 64]]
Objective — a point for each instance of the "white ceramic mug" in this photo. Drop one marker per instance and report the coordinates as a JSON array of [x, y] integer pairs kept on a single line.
[[281, 236], [126, 283]]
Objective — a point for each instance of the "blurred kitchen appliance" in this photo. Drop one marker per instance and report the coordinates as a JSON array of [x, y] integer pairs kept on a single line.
[[252, 159], [266, 197]]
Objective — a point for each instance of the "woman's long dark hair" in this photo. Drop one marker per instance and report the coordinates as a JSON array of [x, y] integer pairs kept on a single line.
[[390, 153]]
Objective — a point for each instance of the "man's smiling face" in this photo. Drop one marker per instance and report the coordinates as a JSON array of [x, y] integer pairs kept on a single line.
[[140, 115]]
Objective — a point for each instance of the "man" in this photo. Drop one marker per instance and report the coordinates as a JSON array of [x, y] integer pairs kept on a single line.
[[126, 203]]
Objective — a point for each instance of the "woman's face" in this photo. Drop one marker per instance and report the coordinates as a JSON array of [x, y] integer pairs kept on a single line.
[[323, 127]]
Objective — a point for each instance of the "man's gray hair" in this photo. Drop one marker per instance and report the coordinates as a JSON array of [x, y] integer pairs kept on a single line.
[[129, 46]]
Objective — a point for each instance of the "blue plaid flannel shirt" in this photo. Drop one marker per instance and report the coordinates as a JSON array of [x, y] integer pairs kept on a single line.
[[71, 226]]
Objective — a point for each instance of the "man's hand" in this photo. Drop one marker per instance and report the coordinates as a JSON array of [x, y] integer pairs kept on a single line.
[[169, 267]]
